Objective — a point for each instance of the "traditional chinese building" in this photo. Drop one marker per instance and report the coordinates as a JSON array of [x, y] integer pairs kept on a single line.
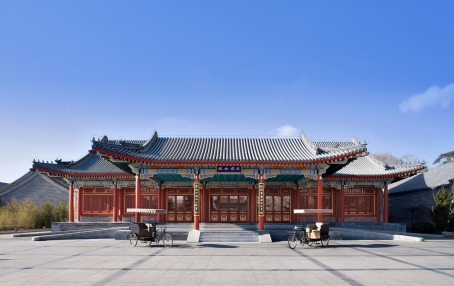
[[237, 180]]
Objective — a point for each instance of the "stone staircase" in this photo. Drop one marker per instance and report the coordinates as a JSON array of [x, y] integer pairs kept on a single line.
[[229, 236]]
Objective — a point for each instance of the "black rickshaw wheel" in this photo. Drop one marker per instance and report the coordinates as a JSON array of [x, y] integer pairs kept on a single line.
[[309, 242], [167, 240], [292, 241], [325, 240], [133, 238]]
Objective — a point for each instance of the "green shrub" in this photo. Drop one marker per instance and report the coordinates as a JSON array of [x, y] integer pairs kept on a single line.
[[423, 227], [61, 212], [47, 214], [27, 214]]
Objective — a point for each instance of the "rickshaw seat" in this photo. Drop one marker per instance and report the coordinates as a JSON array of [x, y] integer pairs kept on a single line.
[[310, 228], [142, 229], [317, 230]]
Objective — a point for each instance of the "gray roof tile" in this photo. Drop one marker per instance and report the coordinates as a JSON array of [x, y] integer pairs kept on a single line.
[[368, 166], [432, 179], [88, 165], [169, 149]]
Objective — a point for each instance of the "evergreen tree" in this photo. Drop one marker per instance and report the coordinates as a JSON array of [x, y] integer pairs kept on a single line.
[[441, 214]]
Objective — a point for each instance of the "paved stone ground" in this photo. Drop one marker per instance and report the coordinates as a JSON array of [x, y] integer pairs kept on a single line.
[[110, 262]]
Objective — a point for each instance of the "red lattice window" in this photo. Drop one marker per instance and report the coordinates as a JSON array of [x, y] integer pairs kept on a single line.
[[130, 201], [308, 202], [327, 202], [360, 204], [150, 202], [87, 204], [97, 204]]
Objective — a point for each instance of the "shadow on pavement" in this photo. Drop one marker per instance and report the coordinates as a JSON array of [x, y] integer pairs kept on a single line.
[[378, 245]]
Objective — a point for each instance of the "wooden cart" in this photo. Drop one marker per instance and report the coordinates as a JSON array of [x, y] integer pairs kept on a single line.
[[313, 233], [147, 232]]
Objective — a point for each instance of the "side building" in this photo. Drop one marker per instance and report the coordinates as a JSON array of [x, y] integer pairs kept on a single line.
[[37, 186], [258, 180], [411, 199]]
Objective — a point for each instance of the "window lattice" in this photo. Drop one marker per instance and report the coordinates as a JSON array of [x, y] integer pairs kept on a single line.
[[95, 202], [308, 202], [130, 201], [87, 205], [150, 202], [359, 204], [327, 202]]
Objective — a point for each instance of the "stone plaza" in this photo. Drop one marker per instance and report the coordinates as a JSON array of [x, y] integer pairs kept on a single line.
[[115, 262]]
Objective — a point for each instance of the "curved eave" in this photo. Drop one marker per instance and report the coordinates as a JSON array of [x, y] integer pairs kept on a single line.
[[384, 176], [312, 162], [81, 175]]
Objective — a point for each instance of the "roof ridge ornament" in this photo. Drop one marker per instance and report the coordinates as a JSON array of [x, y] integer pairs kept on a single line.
[[150, 141], [355, 141], [309, 143]]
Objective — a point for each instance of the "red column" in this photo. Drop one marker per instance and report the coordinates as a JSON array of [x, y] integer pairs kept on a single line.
[[205, 203], [253, 204], [79, 204], [294, 205], [336, 199], [115, 203], [196, 202], [261, 213], [71, 203], [159, 203], [138, 197], [120, 204], [319, 197], [385, 204], [342, 203], [163, 204]]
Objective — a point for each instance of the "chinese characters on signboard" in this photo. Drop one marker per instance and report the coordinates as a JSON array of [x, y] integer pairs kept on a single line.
[[228, 169]]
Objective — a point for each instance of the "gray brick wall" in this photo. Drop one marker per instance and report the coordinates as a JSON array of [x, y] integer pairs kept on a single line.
[[38, 189], [401, 203]]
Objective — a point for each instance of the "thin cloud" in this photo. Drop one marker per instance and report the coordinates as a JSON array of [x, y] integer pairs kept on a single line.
[[434, 96], [285, 131]]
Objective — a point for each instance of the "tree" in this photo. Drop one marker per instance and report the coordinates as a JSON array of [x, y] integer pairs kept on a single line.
[[386, 157], [447, 157], [441, 213], [389, 158], [410, 158]]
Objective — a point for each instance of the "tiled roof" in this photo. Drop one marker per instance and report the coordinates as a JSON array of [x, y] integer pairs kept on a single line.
[[200, 150], [336, 144], [89, 165], [367, 166], [432, 179]]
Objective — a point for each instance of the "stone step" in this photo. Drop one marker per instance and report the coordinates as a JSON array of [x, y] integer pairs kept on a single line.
[[244, 236]]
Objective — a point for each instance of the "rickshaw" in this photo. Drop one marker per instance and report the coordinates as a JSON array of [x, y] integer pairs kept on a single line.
[[313, 233], [147, 232]]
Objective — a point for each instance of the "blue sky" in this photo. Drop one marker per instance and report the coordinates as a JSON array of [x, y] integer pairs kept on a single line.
[[382, 71]]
